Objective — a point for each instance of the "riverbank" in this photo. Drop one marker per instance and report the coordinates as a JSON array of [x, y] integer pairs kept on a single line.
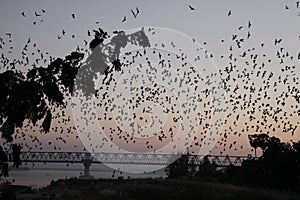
[[150, 189]]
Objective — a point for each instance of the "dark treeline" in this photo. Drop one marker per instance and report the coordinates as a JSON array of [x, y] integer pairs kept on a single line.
[[277, 168]]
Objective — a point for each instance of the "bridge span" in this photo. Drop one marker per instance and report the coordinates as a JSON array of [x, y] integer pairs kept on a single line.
[[124, 158]]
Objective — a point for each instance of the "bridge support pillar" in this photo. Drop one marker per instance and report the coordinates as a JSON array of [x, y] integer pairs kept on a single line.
[[87, 164]]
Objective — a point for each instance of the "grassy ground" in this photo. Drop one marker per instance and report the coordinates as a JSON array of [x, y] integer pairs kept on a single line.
[[155, 189]]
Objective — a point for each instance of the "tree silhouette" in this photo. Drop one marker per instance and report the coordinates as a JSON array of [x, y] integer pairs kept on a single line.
[[206, 168], [16, 152], [3, 163], [34, 95], [183, 167], [278, 167], [258, 140]]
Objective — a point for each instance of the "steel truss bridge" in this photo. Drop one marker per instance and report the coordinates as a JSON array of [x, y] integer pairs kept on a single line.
[[125, 158]]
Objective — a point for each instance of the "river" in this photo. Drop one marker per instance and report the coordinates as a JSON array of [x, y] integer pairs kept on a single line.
[[40, 175]]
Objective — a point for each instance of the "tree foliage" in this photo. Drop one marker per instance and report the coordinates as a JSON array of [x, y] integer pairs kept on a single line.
[[258, 141], [30, 97], [34, 95], [278, 167], [183, 167]]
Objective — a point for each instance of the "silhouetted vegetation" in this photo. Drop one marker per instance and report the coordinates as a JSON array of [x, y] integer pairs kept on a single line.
[[181, 168], [258, 140], [30, 97], [155, 189], [277, 168], [34, 95]]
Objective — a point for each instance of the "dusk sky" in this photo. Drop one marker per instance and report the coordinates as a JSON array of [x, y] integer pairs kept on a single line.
[[215, 25]]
